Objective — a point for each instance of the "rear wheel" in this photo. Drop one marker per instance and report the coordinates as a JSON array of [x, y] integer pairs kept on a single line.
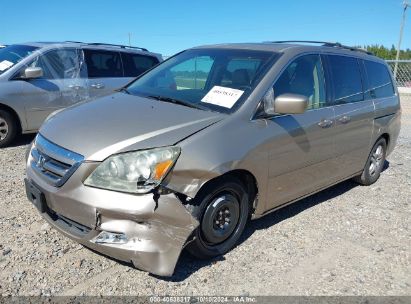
[[374, 165], [223, 213], [8, 128]]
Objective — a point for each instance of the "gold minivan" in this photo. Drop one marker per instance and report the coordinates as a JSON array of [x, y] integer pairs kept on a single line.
[[184, 155]]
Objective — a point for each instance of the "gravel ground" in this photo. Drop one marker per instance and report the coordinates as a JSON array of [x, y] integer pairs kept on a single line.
[[347, 240]]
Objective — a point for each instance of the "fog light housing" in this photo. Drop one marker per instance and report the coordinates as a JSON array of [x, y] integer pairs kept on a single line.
[[106, 237]]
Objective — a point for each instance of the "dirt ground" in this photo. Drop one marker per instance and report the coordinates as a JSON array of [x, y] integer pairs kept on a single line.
[[347, 240]]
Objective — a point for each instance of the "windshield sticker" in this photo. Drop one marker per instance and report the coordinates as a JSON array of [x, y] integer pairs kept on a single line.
[[5, 64], [222, 96]]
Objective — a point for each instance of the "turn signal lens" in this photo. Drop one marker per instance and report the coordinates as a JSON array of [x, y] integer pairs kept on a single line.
[[162, 168]]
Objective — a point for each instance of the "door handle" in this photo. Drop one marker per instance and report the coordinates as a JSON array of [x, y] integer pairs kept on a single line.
[[345, 119], [75, 87], [325, 123], [97, 86]]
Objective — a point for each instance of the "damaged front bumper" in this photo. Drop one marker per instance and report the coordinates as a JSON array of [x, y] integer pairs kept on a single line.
[[148, 230]]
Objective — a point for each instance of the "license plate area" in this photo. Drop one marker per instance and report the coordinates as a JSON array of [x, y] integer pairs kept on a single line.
[[35, 196]]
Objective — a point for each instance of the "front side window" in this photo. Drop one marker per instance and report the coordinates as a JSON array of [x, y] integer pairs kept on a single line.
[[59, 64], [135, 64], [210, 79], [13, 54], [240, 70], [346, 79], [304, 76], [103, 64], [192, 74], [379, 80]]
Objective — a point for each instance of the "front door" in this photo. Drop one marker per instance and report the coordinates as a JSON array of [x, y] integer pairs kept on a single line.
[[60, 86], [301, 151]]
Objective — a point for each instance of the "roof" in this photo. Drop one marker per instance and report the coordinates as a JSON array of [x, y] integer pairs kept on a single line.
[[87, 44], [295, 46], [248, 46]]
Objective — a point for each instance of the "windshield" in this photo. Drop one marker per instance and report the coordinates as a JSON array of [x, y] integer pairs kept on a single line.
[[212, 79], [12, 54]]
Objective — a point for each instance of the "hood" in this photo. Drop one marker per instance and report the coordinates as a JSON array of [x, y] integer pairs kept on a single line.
[[121, 122]]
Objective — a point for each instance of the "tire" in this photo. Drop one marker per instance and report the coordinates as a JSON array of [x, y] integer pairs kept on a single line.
[[8, 128], [374, 165], [225, 201]]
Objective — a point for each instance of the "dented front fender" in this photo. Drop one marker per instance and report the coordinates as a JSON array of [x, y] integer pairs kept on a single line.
[[154, 227]]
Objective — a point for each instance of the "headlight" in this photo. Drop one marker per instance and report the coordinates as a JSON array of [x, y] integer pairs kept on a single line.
[[134, 172]]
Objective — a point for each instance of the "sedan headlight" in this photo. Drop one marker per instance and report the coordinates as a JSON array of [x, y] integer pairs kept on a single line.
[[134, 172]]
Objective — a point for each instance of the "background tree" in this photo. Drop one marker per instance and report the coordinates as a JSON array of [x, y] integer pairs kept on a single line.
[[386, 53]]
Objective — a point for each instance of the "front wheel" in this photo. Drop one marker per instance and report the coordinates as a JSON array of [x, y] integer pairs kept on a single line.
[[374, 165], [222, 211], [8, 128]]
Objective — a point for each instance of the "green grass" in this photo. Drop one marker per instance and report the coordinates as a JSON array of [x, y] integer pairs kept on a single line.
[[190, 83]]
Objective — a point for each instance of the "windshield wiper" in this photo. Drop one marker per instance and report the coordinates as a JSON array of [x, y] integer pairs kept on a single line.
[[177, 101], [124, 90]]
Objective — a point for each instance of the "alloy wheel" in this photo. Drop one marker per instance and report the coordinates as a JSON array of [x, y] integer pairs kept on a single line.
[[376, 160], [4, 129]]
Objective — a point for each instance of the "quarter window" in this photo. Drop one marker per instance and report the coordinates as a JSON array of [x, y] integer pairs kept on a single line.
[[304, 76], [346, 79], [101, 64], [59, 64], [379, 80]]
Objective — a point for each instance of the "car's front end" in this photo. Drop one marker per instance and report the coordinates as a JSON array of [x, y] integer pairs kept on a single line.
[[149, 229]]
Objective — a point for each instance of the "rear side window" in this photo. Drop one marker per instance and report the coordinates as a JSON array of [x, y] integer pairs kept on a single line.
[[135, 64], [101, 64], [379, 80], [304, 76], [247, 66], [346, 79]]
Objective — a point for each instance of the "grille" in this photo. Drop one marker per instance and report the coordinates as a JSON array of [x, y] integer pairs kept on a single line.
[[53, 163]]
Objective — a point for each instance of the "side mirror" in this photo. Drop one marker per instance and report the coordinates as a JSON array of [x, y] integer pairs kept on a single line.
[[290, 104], [32, 73]]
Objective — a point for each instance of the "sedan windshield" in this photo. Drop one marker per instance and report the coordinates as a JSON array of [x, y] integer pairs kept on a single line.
[[209, 79], [12, 54]]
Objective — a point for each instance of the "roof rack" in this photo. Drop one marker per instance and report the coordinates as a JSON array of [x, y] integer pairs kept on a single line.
[[109, 44], [326, 43]]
